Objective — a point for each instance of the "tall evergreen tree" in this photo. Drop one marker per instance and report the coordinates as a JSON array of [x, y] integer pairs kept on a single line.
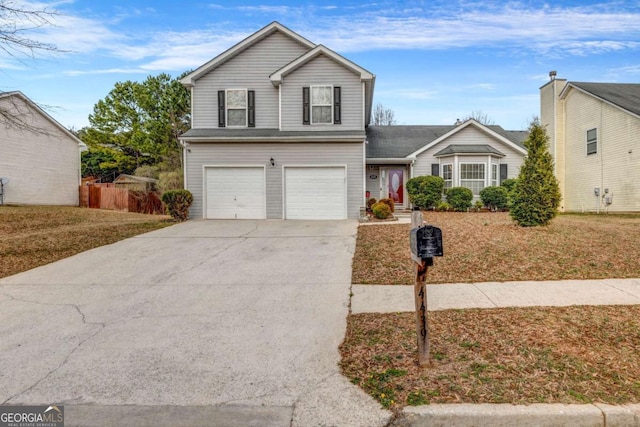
[[536, 196], [139, 123]]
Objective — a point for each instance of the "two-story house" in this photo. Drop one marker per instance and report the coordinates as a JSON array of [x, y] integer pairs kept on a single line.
[[278, 131], [594, 132]]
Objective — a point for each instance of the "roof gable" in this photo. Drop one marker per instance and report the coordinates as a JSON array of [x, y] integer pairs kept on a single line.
[[40, 111], [225, 56], [410, 141], [625, 96], [276, 77]]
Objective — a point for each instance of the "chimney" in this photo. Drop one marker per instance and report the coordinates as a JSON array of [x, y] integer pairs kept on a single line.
[[552, 75]]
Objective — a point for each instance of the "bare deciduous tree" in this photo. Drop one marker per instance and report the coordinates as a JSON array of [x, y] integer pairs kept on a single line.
[[17, 21], [383, 116], [480, 117]]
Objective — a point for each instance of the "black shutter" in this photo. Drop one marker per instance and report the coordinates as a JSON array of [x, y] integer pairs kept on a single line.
[[435, 169], [337, 114], [251, 110], [221, 115], [306, 106], [503, 172]]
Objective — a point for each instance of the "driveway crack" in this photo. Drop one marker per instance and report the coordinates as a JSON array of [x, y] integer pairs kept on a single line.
[[77, 309]]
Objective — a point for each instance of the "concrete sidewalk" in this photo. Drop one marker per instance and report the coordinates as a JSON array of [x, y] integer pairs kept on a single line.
[[399, 298], [395, 298]]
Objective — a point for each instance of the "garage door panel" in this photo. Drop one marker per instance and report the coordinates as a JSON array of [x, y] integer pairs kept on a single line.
[[315, 192], [235, 193]]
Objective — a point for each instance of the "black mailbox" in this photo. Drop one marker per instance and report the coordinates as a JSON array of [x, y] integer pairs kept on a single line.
[[426, 242]]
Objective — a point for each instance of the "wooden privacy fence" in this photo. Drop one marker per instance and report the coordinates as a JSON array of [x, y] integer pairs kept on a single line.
[[120, 199]]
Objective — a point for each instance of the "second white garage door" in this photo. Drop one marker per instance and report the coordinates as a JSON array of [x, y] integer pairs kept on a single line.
[[235, 192], [315, 192]]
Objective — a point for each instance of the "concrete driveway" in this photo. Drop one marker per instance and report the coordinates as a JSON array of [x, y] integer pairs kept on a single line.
[[212, 323]]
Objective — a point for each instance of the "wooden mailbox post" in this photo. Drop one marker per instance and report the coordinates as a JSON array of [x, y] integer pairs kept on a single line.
[[426, 243]]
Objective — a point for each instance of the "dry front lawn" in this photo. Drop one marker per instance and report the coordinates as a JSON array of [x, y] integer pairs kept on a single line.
[[31, 236], [481, 247], [524, 355]]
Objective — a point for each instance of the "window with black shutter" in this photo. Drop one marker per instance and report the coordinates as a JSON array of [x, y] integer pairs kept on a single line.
[[337, 113], [251, 108], [221, 110], [503, 172], [306, 106]]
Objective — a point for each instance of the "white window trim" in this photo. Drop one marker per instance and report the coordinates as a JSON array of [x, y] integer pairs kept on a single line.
[[246, 107], [494, 168], [311, 105], [482, 180], [451, 179]]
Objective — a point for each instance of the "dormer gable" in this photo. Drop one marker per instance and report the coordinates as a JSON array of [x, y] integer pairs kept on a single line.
[[225, 56]]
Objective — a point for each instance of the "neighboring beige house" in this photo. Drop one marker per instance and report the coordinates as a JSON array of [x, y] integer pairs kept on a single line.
[[467, 154], [38, 156], [594, 131], [278, 131]]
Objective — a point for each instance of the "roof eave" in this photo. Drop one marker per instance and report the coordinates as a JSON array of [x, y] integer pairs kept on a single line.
[[189, 79], [389, 160]]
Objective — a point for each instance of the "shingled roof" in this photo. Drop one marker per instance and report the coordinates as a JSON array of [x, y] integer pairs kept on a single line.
[[401, 141], [623, 95]]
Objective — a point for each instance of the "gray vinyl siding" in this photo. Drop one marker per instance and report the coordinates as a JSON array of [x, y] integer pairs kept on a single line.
[[373, 185], [43, 167], [249, 69], [322, 71], [469, 136], [284, 154]]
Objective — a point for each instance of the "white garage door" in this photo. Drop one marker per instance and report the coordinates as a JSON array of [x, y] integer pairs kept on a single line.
[[235, 193], [315, 193]]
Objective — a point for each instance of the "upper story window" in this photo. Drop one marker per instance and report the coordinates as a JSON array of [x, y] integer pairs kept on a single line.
[[592, 141], [236, 108], [321, 105]]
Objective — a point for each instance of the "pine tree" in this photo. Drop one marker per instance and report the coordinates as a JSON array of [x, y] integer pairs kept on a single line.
[[536, 196]]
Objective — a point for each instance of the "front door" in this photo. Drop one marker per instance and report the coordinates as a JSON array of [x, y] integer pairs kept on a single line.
[[394, 185]]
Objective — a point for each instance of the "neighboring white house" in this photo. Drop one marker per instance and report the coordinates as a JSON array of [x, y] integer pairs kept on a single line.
[[467, 154], [594, 131], [38, 156]]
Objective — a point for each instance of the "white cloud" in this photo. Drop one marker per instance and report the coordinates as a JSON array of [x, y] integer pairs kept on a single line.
[[512, 27]]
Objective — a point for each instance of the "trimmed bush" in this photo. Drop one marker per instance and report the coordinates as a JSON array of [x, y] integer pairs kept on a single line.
[[381, 210], [372, 201], [177, 203], [389, 202], [443, 207], [496, 198], [425, 191], [459, 198], [509, 184], [478, 205]]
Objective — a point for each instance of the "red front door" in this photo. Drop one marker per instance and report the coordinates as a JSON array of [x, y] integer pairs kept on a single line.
[[396, 185]]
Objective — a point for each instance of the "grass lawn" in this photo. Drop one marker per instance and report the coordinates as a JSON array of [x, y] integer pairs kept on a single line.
[[31, 236], [507, 355], [487, 247]]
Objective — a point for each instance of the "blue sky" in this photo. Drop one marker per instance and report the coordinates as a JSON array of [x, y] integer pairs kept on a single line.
[[434, 61]]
